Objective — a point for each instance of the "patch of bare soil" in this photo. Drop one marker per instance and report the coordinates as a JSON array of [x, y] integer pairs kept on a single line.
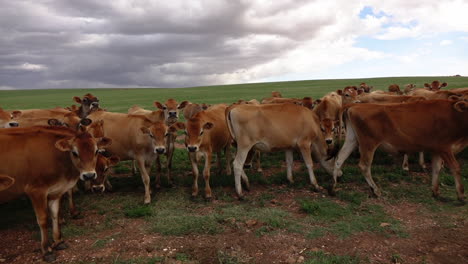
[[428, 241]]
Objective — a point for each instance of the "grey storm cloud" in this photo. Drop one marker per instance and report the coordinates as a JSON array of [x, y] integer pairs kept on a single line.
[[68, 44]]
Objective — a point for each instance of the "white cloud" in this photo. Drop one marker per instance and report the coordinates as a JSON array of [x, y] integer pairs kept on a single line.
[[26, 67], [446, 42]]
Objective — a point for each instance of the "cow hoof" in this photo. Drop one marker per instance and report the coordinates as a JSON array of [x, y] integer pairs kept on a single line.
[[61, 246], [49, 257], [247, 166], [331, 191]]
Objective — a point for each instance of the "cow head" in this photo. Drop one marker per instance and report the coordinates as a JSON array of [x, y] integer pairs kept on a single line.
[[435, 85], [349, 94], [409, 88], [89, 103], [328, 128], [103, 163], [394, 88], [308, 102], [7, 118], [365, 88], [83, 149], [194, 132], [158, 132], [276, 94], [461, 106], [5, 182], [171, 109]]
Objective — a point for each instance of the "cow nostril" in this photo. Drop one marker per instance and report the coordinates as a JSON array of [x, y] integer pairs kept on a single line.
[[160, 150], [89, 176], [329, 141], [13, 124], [192, 149]]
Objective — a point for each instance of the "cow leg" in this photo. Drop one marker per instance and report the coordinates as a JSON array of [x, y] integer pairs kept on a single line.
[[436, 166], [71, 204], [39, 202], [405, 165], [257, 161], [206, 172], [305, 151], [249, 159], [158, 172], [54, 207], [134, 169], [421, 161], [227, 152], [219, 167], [454, 167], [365, 164], [145, 178], [193, 161], [170, 154], [289, 163], [349, 145], [238, 165]]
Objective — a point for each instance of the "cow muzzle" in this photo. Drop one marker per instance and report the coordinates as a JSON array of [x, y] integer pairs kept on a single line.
[[85, 176], [98, 188], [95, 105], [329, 141], [192, 148], [160, 150], [172, 114], [13, 124]]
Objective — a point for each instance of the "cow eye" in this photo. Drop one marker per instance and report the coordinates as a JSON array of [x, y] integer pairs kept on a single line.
[[75, 154], [85, 100], [201, 133], [105, 169], [167, 134], [323, 129], [151, 135], [185, 132], [97, 152], [347, 95], [164, 108]]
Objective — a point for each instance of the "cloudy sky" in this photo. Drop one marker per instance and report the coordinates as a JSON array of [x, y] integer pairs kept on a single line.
[[180, 43]]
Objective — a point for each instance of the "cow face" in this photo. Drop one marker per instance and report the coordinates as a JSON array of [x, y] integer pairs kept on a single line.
[[435, 86], [89, 103], [194, 132], [349, 94], [5, 182], [158, 132], [7, 118], [409, 88], [328, 128], [171, 109], [365, 88], [394, 88], [83, 150], [308, 102], [103, 164]]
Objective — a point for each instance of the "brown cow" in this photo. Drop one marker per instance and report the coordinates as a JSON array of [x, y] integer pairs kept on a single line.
[[7, 118], [207, 133], [191, 109], [57, 112], [365, 88], [328, 110], [349, 95], [129, 142], [409, 88], [45, 163], [408, 127], [395, 89], [171, 109], [432, 95], [5, 182], [388, 98], [435, 85], [276, 94], [274, 127], [88, 104]]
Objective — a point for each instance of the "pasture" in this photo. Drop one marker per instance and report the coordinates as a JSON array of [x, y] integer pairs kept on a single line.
[[276, 223]]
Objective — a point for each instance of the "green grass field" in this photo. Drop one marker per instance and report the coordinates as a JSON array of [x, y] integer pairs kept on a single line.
[[119, 100], [302, 225]]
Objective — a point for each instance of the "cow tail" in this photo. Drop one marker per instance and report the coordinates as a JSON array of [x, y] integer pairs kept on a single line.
[[229, 122]]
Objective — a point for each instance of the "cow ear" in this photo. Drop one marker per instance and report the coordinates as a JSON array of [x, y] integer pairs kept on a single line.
[[15, 114], [114, 160], [145, 130], [6, 182], [444, 84], [63, 145], [159, 105], [104, 142], [77, 99], [340, 92], [453, 97], [54, 122], [461, 106], [182, 105], [208, 125]]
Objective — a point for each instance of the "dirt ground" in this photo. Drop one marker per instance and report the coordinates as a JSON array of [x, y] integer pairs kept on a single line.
[[427, 240]]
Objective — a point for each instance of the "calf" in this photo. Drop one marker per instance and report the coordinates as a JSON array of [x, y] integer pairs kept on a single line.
[[88, 104], [435, 85], [171, 110], [395, 89], [7, 119], [206, 133], [45, 163], [328, 111], [409, 127], [274, 127]]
